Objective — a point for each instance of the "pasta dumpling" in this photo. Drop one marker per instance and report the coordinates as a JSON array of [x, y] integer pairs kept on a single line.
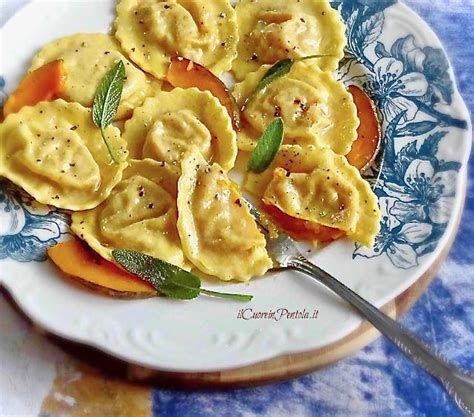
[[218, 233], [87, 57], [315, 108], [152, 31], [272, 30], [322, 196], [55, 152], [169, 124], [315, 184], [140, 215]]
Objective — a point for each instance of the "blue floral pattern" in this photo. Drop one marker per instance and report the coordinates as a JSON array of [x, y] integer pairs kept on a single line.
[[2, 92], [410, 85], [27, 228]]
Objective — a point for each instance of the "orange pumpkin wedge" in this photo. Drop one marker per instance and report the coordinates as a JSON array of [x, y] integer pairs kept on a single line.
[[365, 147], [43, 84], [300, 229], [185, 73], [80, 262]]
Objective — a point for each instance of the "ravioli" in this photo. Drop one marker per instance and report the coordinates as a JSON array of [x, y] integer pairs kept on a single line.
[[169, 124], [272, 30], [87, 57], [140, 215], [322, 196], [315, 108], [152, 31], [321, 186], [218, 233], [55, 152]]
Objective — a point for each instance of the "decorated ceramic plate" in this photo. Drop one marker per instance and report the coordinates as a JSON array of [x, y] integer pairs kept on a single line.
[[419, 181]]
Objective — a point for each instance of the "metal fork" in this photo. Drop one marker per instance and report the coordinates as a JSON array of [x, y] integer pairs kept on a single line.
[[459, 383]]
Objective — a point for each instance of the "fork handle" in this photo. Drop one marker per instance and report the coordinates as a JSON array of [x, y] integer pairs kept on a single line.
[[457, 382]]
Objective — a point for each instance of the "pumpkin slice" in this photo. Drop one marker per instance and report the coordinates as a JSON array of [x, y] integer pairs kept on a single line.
[[300, 229], [366, 146], [81, 263], [185, 73], [43, 84]]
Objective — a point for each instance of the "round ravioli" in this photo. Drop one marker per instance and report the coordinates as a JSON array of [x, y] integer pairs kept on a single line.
[[152, 31], [140, 214], [171, 123], [87, 58], [315, 108], [218, 233], [55, 152], [272, 30], [323, 187]]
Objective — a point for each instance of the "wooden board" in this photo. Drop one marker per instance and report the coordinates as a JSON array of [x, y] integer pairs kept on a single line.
[[274, 370]]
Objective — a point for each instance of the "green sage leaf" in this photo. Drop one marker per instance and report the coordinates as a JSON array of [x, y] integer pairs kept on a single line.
[[267, 147], [276, 71], [168, 279], [107, 100]]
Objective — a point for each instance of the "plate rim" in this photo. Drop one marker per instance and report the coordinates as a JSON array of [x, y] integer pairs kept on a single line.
[[460, 186]]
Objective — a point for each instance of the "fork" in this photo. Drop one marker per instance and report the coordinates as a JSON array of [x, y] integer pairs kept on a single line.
[[458, 383]]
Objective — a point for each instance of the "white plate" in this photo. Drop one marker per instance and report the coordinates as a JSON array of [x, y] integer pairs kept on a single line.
[[419, 193]]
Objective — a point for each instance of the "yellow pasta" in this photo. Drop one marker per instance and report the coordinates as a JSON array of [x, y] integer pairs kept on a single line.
[[171, 123], [218, 233], [87, 58], [345, 191], [315, 108], [55, 152], [272, 30], [140, 214], [152, 31]]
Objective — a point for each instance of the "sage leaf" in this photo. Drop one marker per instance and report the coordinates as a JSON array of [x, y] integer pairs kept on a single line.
[[278, 70], [168, 279], [107, 100], [267, 147], [182, 286]]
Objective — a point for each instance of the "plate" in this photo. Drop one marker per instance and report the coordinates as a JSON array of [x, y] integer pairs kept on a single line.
[[400, 62]]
